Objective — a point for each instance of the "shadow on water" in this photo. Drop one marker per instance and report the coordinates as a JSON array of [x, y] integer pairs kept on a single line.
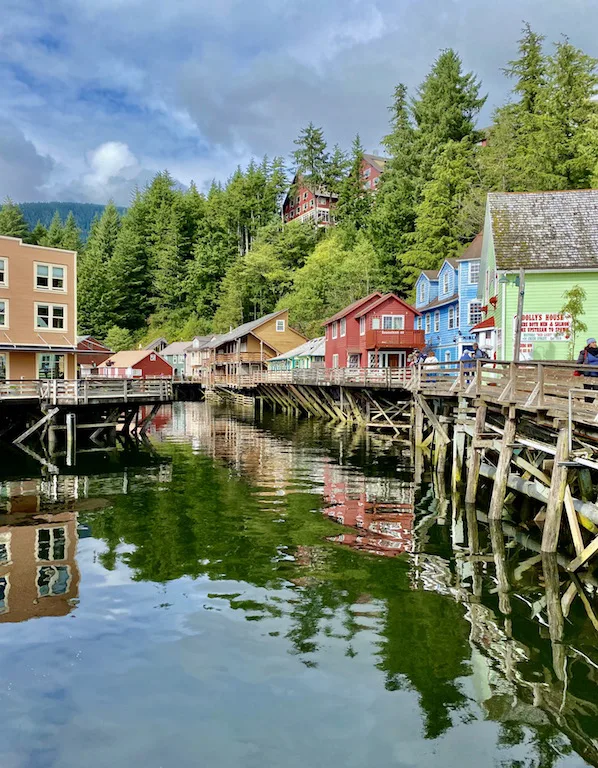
[[318, 538]]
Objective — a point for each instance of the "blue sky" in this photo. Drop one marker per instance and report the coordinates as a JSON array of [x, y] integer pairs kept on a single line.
[[97, 95]]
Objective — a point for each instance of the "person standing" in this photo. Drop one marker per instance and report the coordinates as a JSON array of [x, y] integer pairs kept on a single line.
[[478, 353], [589, 356]]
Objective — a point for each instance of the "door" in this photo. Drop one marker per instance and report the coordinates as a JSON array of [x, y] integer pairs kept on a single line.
[[396, 360]]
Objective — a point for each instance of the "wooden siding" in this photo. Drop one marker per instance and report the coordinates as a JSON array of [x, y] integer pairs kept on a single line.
[[281, 341]]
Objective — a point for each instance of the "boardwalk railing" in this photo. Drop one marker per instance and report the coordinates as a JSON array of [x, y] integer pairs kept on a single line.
[[388, 378], [83, 391]]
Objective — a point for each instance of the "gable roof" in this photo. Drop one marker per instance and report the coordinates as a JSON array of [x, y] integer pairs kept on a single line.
[[431, 274], [376, 161], [344, 312], [489, 322], [89, 344], [156, 343], [129, 358], [243, 330], [439, 302], [381, 300], [202, 341], [545, 230], [311, 348], [175, 348], [474, 249]]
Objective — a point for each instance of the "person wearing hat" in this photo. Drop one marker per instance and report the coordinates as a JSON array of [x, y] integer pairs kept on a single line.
[[589, 356]]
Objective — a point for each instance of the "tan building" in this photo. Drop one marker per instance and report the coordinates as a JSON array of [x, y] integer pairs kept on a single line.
[[38, 311]]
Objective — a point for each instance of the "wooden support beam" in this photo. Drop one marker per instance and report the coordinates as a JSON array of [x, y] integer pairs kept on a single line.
[[584, 555], [573, 521], [432, 419], [473, 476], [556, 498], [34, 427], [502, 470]]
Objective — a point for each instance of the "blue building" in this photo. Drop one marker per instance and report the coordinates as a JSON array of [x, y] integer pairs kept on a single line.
[[448, 301]]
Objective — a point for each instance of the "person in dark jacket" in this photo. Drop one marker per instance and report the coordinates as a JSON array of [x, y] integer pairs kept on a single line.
[[589, 356]]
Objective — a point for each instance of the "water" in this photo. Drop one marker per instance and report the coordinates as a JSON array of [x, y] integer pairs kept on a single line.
[[273, 595]]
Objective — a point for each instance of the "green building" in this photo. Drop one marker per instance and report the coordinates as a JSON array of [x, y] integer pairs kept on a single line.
[[308, 355], [553, 237]]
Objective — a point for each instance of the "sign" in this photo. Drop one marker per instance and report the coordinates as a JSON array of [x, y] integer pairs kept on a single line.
[[544, 326], [526, 351]]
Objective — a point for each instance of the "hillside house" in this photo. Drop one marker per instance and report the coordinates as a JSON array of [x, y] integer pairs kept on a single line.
[[553, 237], [176, 355], [372, 167], [377, 331], [308, 355], [449, 305], [305, 204], [135, 364]]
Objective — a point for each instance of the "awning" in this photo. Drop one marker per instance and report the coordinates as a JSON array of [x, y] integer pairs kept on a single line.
[[483, 325], [54, 348]]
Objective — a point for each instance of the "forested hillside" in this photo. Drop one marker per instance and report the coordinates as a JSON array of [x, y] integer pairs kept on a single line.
[[84, 214], [182, 262]]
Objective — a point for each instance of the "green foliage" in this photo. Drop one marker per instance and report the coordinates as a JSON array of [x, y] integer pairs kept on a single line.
[[354, 203], [118, 339], [55, 232], [12, 221], [71, 235], [574, 305], [311, 158], [38, 234], [84, 214]]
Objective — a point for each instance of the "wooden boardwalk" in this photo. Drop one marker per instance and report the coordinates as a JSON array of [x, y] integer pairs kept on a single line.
[[80, 392]]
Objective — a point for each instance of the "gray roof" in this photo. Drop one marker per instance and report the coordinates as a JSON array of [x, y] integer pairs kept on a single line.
[[243, 330], [202, 341], [375, 160], [175, 348], [545, 230], [311, 348]]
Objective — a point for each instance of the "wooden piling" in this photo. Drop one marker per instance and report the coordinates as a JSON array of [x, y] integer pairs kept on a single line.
[[556, 499], [473, 476], [502, 470]]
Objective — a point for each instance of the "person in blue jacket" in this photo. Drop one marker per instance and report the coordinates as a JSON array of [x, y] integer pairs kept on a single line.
[[589, 356]]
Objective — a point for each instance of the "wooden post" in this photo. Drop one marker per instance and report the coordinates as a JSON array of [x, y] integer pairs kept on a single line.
[[71, 438], [473, 475], [502, 471], [556, 623], [558, 485]]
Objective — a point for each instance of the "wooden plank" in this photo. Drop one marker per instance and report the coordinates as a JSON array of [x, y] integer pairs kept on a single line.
[[573, 522], [45, 418], [584, 556], [502, 471], [558, 485], [432, 418]]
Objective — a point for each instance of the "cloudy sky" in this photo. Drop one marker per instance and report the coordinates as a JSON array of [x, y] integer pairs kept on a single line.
[[97, 95]]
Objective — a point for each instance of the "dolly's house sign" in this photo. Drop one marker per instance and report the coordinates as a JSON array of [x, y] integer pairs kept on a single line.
[[544, 326]]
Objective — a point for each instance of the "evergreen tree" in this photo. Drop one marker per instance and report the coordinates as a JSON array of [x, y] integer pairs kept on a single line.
[[311, 158], [168, 260], [71, 235], [55, 232], [12, 221], [529, 71], [38, 234], [354, 203], [118, 339], [127, 278], [336, 171]]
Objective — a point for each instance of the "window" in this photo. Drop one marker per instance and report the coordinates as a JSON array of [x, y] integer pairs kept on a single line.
[[343, 327], [446, 282], [428, 323], [51, 317], [422, 293], [280, 326], [436, 321], [53, 580], [451, 318], [335, 361], [334, 329], [305, 195], [393, 322], [353, 361], [50, 277], [50, 366], [304, 206], [4, 313], [475, 312], [362, 326], [4, 272], [311, 203], [3, 594], [51, 543], [5, 548], [474, 272], [447, 356], [367, 173], [323, 216]]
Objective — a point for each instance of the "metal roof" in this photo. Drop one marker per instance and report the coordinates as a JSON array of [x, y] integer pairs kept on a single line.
[[344, 312], [243, 330], [312, 348], [175, 348]]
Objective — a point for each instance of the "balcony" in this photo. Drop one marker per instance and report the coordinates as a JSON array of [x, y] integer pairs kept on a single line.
[[377, 339], [240, 357]]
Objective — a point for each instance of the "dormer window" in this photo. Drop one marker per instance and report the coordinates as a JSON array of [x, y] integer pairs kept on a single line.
[[280, 326], [422, 293]]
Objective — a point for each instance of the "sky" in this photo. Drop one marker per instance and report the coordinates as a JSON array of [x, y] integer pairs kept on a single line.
[[98, 95]]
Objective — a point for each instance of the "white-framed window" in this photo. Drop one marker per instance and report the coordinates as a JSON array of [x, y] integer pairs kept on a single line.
[[362, 326], [447, 356], [50, 317], [4, 590], [280, 326], [436, 321], [50, 277], [422, 293], [343, 327], [428, 323], [305, 195], [474, 315], [375, 323], [4, 313], [53, 580], [304, 206], [335, 361], [5, 556], [367, 173], [4, 273], [451, 318], [311, 203], [334, 329], [393, 322], [324, 216], [474, 272], [51, 543], [446, 282]]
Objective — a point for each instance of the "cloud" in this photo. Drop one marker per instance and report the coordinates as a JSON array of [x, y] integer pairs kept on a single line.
[[23, 170], [101, 94]]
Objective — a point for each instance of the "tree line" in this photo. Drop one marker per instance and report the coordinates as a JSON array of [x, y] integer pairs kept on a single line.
[[179, 262]]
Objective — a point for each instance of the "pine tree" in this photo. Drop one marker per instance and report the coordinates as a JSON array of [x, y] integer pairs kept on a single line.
[[118, 339], [38, 234], [311, 158], [169, 264], [55, 232], [354, 203], [12, 221], [337, 168], [71, 235], [127, 277], [529, 71]]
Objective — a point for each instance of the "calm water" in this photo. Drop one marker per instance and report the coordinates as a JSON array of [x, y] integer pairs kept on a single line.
[[265, 595]]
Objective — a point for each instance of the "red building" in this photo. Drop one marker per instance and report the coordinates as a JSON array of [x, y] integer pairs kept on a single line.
[[90, 354], [372, 167], [306, 205], [135, 364], [377, 331]]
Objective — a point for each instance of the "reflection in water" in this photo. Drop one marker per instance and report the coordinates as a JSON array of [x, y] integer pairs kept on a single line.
[[219, 594]]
